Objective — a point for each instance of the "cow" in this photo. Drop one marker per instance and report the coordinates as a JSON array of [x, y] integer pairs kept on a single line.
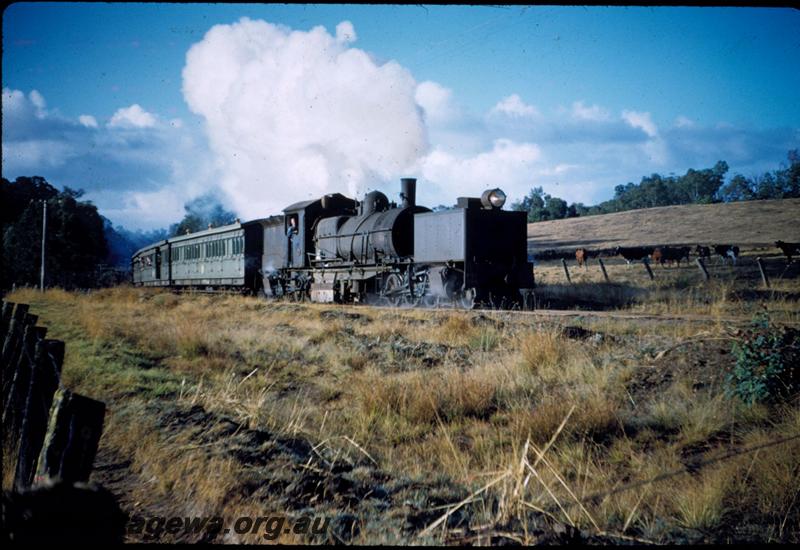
[[582, 256], [702, 251], [726, 251], [788, 249], [658, 255], [633, 253], [676, 254]]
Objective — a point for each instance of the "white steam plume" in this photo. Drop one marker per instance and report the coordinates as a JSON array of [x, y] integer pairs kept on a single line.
[[292, 115]]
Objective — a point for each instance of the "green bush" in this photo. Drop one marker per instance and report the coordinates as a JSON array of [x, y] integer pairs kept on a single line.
[[767, 358]]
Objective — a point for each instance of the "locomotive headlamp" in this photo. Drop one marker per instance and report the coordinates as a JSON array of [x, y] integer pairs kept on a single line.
[[493, 198]]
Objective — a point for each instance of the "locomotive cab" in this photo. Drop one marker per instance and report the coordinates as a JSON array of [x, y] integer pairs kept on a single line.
[[300, 220]]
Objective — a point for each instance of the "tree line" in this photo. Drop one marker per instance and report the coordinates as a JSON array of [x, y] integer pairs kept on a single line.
[[695, 187], [83, 249]]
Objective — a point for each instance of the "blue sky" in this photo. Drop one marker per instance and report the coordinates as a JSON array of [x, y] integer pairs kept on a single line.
[[575, 99]]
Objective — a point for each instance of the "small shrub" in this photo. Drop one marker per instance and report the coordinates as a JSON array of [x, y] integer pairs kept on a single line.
[[767, 358]]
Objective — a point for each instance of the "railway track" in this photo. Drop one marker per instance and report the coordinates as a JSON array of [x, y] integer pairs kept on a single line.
[[565, 314]]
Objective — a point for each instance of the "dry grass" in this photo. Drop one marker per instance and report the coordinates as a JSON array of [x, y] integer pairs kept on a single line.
[[426, 394], [742, 223]]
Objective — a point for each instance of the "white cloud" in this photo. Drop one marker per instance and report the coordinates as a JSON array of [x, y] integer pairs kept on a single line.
[[436, 101], [684, 122], [642, 121], [509, 165], [345, 33], [150, 209], [139, 179], [514, 106], [37, 100], [88, 120], [293, 114], [132, 117], [593, 112], [40, 153]]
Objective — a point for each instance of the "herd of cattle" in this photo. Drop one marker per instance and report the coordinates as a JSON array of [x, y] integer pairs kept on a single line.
[[675, 254]]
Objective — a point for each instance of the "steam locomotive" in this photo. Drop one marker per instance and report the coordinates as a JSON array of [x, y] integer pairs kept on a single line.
[[337, 249]]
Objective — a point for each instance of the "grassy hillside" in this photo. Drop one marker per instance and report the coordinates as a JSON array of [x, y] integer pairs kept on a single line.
[[747, 224]]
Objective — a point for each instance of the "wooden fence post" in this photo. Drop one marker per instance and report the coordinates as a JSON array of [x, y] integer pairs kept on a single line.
[[566, 270], [646, 263], [5, 319], [763, 271], [20, 379], [73, 433], [11, 341], [703, 270], [45, 379], [603, 268]]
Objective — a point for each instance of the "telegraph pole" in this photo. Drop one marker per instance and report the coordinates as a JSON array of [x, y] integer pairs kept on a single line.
[[44, 232]]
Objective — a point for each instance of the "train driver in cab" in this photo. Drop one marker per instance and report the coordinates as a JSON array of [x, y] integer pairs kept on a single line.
[[291, 228]]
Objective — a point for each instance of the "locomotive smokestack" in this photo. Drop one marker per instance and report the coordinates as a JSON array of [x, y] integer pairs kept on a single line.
[[408, 192]]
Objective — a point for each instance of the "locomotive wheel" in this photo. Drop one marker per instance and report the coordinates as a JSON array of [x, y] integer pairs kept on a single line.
[[392, 291]]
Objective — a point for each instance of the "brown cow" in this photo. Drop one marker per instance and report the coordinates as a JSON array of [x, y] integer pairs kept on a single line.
[[669, 254], [657, 256], [581, 256]]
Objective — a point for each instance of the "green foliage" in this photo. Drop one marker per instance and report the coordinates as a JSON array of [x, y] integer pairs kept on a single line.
[[541, 206], [75, 242], [695, 187], [767, 363]]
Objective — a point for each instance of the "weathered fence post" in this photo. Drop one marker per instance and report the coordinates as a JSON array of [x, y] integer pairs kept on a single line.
[[11, 342], [603, 268], [20, 378], [703, 270], [566, 270], [44, 383], [73, 433], [646, 263], [763, 271], [5, 319]]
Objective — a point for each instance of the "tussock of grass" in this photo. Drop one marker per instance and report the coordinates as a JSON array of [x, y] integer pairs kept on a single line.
[[420, 399], [456, 330], [700, 504]]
